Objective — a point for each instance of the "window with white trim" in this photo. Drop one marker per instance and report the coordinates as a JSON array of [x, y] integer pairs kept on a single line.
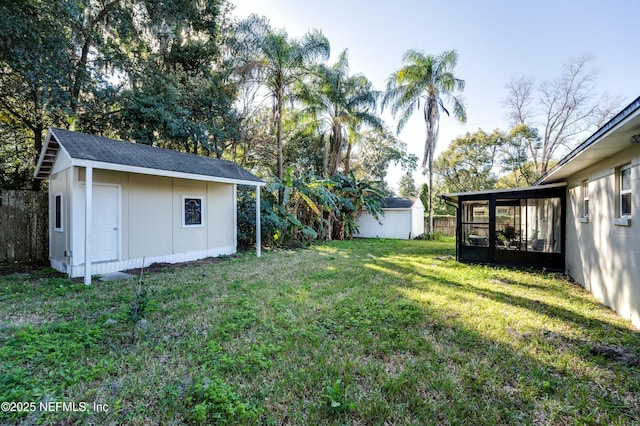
[[585, 198], [192, 212], [57, 220], [625, 191]]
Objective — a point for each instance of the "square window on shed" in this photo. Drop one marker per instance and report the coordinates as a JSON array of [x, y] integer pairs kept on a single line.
[[192, 211]]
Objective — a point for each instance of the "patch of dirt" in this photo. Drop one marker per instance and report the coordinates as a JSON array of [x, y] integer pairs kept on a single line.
[[164, 267], [43, 269], [616, 354], [502, 281], [444, 258], [8, 268]]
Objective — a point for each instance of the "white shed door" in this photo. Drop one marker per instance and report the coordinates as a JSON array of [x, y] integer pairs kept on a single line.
[[104, 235]]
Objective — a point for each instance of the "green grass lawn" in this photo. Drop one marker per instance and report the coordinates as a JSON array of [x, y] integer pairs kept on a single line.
[[357, 332]]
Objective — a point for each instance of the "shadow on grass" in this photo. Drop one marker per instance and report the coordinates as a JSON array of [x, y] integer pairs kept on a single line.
[[535, 305], [538, 384]]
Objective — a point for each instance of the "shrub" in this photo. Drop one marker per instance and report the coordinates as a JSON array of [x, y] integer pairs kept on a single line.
[[213, 401], [433, 236]]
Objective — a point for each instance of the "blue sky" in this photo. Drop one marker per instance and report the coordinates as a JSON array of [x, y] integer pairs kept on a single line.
[[496, 40]]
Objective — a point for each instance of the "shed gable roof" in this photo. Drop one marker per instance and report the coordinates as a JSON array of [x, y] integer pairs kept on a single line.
[[83, 147], [398, 203]]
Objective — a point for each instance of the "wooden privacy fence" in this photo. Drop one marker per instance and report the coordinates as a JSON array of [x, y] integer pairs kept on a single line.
[[446, 225], [24, 229]]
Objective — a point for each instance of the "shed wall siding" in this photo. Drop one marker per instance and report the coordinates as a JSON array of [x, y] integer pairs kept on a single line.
[[395, 224], [417, 219], [59, 240], [150, 215], [192, 238], [150, 219], [220, 215], [601, 256]]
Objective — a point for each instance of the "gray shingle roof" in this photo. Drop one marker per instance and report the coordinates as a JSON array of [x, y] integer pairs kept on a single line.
[[398, 203], [83, 146]]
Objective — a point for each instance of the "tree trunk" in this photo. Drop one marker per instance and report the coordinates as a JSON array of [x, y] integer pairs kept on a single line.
[[347, 160], [279, 139], [336, 148], [278, 120], [431, 194], [325, 157]]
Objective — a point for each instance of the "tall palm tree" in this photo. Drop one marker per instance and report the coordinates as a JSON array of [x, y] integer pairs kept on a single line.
[[427, 81], [342, 104], [281, 62]]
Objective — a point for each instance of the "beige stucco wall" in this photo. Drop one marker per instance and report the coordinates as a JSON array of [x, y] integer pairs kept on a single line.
[[602, 256], [222, 220], [188, 238], [150, 216]]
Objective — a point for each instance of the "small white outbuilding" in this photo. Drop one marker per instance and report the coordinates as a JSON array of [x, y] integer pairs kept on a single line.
[[403, 219], [116, 205]]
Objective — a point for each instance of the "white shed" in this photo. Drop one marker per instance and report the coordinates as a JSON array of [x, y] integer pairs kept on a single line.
[[116, 205], [403, 219]]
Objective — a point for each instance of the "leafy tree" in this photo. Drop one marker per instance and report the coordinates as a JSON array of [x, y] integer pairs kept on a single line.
[[305, 143], [180, 109], [281, 62], [514, 160], [517, 178], [270, 222], [378, 149], [301, 218], [68, 63], [561, 109], [16, 155], [179, 96], [469, 162], [252, 143], [407, 186], [314, 207], [342, 104], [34, 69], [429, 81], [354, 197], [423, 194]]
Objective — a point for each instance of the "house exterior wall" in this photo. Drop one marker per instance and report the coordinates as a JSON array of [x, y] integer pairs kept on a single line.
[[150, 220], [601, 255]]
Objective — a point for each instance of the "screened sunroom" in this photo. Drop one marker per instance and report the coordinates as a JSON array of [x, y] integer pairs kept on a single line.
[[518, 227]]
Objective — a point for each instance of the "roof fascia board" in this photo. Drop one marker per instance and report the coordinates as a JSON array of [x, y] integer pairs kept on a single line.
[[61, 148], [498, 191], [158, 172], [43, 152]]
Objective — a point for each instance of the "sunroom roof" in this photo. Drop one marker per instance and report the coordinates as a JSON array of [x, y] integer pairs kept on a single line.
[[455, 196]]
